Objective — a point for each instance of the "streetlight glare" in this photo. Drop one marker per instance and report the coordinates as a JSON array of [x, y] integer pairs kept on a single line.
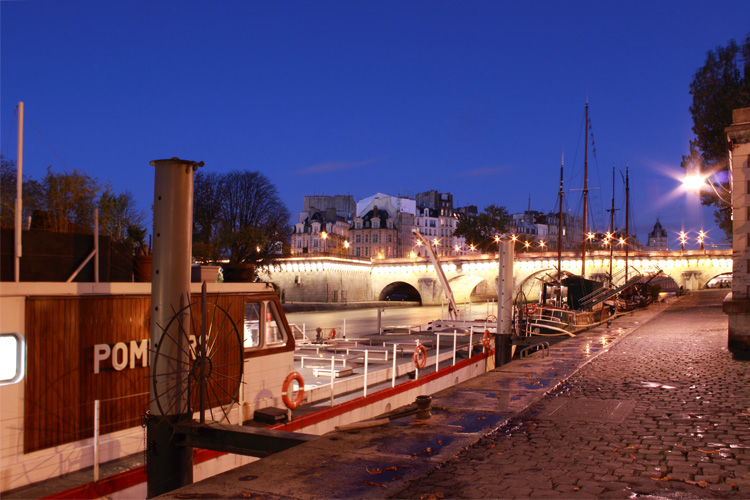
[[693, 182]]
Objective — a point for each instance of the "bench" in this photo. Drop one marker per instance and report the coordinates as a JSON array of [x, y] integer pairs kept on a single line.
[[305, 357], [340, 372], [374, 353]]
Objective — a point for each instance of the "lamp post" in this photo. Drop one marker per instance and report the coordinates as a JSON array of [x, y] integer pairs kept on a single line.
[[526, 244], [701, 237], [541, 245], [346, 246], [683, 239]]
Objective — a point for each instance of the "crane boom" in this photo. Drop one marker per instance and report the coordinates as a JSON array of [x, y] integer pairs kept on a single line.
[[452, 309]]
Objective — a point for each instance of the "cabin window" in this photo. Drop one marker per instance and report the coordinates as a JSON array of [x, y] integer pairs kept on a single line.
[[12, 350], [275, 334], [252, 325]]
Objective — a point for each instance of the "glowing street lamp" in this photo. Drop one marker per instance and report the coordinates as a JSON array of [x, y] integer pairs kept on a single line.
[[324, 235], [701, 237], [694, 183], [346, 245], [541, 245], [683, 239], [526, 243]]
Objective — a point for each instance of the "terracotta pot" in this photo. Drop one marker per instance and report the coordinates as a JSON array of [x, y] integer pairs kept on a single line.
[[142, 265], [238, 273], [202, 272]]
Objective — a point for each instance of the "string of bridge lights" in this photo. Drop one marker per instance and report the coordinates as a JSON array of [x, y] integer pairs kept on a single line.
[[491, 265]]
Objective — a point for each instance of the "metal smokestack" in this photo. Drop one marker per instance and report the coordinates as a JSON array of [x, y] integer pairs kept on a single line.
[[169, 464], [503, 349]]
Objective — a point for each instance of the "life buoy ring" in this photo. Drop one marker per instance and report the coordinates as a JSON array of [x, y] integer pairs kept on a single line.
[[332, 334], [286, 393], [530, 308], [420, 350], [486, 340]]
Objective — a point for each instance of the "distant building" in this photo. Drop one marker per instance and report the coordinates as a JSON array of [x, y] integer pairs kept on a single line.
[[402, 210], [658, 239], [323, 225], [440, 202], [436, 221], [373, 235]]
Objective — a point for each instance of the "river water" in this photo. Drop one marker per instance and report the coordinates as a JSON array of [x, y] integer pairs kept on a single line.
[[365, 321]]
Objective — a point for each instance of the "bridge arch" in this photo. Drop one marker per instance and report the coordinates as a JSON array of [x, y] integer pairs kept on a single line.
[[531, 284], [721, 280], [401, 291]]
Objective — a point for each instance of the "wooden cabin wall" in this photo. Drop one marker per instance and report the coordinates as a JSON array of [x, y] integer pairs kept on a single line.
[[61, 386]]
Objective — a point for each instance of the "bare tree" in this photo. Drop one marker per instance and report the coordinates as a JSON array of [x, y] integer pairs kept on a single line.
[[251, 221]]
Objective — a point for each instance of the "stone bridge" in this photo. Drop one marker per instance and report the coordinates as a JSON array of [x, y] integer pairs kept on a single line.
[[338, 279]]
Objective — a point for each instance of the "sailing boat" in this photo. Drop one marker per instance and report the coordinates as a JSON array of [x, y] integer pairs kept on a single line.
[[569, 303]]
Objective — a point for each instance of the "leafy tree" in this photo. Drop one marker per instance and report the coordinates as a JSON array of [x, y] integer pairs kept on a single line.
[[69, 201], [481, 229], [117, 212], [64, 202], [721, 85]]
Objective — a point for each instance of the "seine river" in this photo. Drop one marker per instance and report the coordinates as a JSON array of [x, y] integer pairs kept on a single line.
[[365, 321]]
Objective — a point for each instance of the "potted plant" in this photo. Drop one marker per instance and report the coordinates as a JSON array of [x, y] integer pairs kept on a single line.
[[204, 269], [142, 259]]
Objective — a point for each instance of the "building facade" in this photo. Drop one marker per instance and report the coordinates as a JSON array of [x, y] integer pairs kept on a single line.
[[658, 238]]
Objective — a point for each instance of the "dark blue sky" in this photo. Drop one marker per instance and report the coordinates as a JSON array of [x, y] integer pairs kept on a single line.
[[476, 98]]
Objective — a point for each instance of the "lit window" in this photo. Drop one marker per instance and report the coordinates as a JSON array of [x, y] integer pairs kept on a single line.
[[12, 354]]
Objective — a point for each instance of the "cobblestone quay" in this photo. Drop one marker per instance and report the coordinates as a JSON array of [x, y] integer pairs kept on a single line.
[[665, 413]]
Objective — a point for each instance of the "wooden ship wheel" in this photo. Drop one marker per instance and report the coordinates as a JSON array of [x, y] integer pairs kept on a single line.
[[204, 379]]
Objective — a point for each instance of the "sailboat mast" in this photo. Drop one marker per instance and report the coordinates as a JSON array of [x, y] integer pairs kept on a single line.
[[560, 220], [612, 227], [585, 190], [627, 219]]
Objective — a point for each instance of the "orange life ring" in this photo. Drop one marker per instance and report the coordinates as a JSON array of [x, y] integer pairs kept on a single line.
[[286, 393], [530, 308], [417, 351], [332, 334], [486, 340]]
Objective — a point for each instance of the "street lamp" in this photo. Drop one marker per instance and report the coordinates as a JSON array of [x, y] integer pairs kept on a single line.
[[701, 237], [526, 243], [346, 246], [683, 238], [694, 183], [324, 235], [541, 245]]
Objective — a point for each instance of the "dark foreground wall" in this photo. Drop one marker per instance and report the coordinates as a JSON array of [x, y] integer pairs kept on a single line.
[[49, 256]]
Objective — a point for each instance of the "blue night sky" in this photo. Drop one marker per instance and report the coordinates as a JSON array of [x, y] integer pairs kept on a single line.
[[476, 98]]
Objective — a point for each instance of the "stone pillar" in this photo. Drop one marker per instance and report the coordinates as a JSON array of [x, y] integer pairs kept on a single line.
[[737, 304]]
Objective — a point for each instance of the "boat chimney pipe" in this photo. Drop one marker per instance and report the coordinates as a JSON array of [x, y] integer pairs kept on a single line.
[[503, 343], [169, 463]]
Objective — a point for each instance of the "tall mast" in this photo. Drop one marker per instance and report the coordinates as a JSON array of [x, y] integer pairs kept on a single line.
[[612, 227], [560, 220], [627, 219], [585, 190], [17, 247]]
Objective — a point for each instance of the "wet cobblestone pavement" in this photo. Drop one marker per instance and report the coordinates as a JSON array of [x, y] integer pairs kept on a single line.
[[664, 413], [651, 406]]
